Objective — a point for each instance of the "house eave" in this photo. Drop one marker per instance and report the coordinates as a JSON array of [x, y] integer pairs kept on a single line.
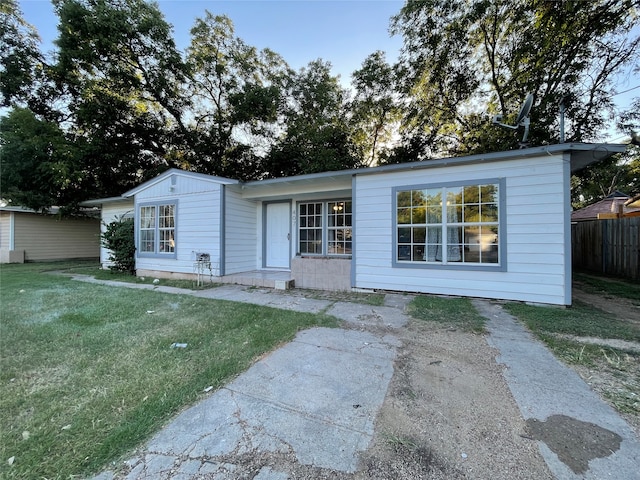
[[581, 155], [98, 202]]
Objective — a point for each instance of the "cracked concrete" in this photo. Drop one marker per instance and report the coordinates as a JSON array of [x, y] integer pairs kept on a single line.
[[550, 393], [315, 399]]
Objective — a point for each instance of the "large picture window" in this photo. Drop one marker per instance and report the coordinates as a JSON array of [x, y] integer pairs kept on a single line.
[[449, 225], [157, 229], [325, 228]]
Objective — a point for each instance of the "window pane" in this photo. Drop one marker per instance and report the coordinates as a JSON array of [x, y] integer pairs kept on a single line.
[[454, 214], [454, 196], [404, 252], [404, 235], [434, 214], [471, 194], [404, 199], [404, 215], [418, 253], [419, 235], [417, 198], [489, 194], [418, 215], [147, 217], [471, 213], [147, 241], [434, 197], [489, 212]]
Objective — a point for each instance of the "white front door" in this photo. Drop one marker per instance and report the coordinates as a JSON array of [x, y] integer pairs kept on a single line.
[[278, 235]]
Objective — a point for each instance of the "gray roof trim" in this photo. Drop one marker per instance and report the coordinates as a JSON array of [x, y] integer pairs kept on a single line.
[[50, 211], [102, 201], [582, 154]]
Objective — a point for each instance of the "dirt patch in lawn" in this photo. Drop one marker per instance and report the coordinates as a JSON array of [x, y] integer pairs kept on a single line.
[[622, 308], [449, 414]]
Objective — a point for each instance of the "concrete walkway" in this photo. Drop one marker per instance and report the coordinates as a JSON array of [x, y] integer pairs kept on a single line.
[[313, 402], [579, 435]]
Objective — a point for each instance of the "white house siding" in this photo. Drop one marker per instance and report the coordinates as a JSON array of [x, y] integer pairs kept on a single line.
[[111, 212], [197, 224], [240, 232], [537, 258]]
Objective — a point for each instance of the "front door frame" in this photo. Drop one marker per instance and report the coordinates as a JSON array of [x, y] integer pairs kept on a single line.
[[265, 207]]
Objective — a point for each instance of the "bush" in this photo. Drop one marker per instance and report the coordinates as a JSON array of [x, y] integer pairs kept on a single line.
[[119, 239]]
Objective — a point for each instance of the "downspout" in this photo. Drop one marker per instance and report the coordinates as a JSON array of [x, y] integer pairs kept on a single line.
[[12, 231], [354, 219], [223, 220], [568, 239]]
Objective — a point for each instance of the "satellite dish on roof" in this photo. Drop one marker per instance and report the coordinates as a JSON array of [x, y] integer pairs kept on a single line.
[[521, 120]]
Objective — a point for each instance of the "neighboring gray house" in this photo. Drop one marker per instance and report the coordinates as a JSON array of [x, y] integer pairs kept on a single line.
[[495, 226]]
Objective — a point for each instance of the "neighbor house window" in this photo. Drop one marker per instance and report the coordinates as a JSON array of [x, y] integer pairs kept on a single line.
[[157, 229], [447, 225], [325, 228]]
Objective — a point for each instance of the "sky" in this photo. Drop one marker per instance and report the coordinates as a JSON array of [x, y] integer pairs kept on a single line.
[[343, 32]]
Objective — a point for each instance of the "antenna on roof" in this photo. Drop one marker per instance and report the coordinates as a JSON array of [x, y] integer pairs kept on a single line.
[[521, 120]]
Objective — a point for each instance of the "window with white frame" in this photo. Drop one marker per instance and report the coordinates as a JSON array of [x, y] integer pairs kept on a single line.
[[446, 225], [339, 228], [157, 229], [325, 228]]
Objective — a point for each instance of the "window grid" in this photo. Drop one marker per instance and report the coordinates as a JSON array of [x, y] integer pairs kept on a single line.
[[166, 228], [468, 219], [147, 229], [310, 228], [157, 229], [339, 228]]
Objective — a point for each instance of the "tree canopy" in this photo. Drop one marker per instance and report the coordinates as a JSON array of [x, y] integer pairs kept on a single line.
[[116, 102], [465, 61]]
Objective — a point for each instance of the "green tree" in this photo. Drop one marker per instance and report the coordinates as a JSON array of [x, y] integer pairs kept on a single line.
[[236, 92], [38, 165], [375, 108], [124, 77], [24, 72], [621, 173], [19, 54], [317, 136], [465, 61]]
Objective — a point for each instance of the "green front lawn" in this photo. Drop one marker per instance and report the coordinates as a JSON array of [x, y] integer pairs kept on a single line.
[[88, 373]]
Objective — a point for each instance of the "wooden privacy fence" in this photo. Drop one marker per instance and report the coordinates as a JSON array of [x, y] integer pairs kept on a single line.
[[607, 246]]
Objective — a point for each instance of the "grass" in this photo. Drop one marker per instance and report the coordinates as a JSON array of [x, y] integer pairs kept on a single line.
[[609, 286], [618, 368], [581, 320], [454, 312], [88, 374]]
